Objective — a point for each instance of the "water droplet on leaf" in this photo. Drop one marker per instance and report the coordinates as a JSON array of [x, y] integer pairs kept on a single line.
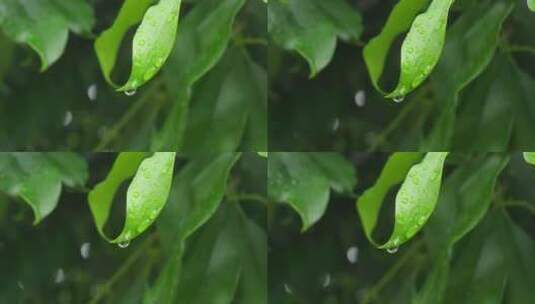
[[123, 244], [392, 250], [130, 92]]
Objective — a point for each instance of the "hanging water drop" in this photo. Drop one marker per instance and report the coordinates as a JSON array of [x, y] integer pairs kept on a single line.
[[130, 92], [123, 244], [336, 125], [92, 92], [392, 250], [326, 280], [398, 99]]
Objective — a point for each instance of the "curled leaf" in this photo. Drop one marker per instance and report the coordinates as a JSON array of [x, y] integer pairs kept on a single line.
[[421, 48], [415, 200], [146, 194], [153, 41]]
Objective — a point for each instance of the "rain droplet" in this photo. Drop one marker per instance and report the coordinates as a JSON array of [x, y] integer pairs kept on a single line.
[[85, 250], [130, 92], [92, 92], [59, 277], [20, 285], [352, 254], [123, 244], [398, 99], [288, 289], [67, 119], [326, 280], [360, 98], [336, 125], [141, 42], [392, 250]]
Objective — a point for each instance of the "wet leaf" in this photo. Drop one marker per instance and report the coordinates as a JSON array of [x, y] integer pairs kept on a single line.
[[153, 41], [146, 194], [415, 200]]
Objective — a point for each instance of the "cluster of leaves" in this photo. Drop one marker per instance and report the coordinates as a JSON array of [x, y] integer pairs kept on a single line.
[[210, 54], [465, 78], [477, 244], [202, 245]]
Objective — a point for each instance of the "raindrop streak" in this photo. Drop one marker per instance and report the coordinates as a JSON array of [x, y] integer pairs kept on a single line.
[[92, 92], [288, 289], [352, 254], [392, 250], [360, 98], [85, 250], [60, 276], [336, 124], [326, 281], [123, 244], [67, 119], [130, 92]]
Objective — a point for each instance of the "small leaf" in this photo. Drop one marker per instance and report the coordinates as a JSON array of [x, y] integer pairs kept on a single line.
[[44, 24], [152, 44], [529, 157], [37, 178], [415, 200], [303, 181], [146, 195]]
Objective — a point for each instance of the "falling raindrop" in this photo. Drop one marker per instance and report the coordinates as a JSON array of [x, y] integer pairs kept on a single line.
[[392, 250], [352, 254], [326, 280], [123, 244], [92, 92], [360, 98], [288, 289], [20, 285], [67, 119], [85, 250], [130, 92], [59, 277], [336, 125]]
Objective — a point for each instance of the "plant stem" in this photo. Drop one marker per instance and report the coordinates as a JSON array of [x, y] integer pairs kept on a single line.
[[522, 204], [391, 273], [123, 269], [132, 111]]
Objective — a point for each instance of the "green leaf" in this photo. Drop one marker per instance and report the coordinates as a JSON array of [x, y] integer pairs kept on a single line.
[[421, 48], [415, 200], [529, 157], [304, 180], [153, 41], [464, 202], [531, 5], [194, 55], [196, 194], [146, 194], [37, 178], [473, 38], [44, 24], [311, 28], [234, 88]]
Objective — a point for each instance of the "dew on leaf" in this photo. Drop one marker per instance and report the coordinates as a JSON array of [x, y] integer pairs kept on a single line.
[[123, 244], [130, 92], [398, 99], [59, 277], [326, 280]]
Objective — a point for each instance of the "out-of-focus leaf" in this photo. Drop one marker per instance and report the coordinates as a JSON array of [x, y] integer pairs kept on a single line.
[[146, 194], [531, 5], [470, 46], [196, 194], [421, 48], [37, 178], [234, 88], [415, 200], [152, 44], [204, 35], [44, 24], [304, 180], [311, 28]]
